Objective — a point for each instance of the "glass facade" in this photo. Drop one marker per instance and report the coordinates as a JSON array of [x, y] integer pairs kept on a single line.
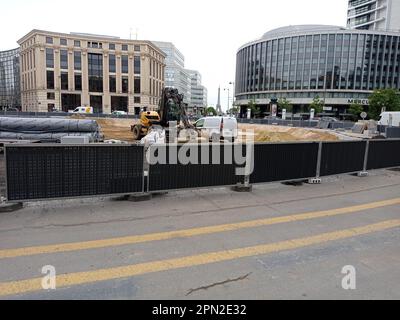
[[337, 64], [10, 90]]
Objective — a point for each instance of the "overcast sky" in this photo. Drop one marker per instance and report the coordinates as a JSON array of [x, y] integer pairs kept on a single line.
[[208, 32]]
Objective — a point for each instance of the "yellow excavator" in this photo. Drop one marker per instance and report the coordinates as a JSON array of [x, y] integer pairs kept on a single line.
[[171, 111]]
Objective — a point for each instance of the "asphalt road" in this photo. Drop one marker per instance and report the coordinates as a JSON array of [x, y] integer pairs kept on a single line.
[[278, 242]]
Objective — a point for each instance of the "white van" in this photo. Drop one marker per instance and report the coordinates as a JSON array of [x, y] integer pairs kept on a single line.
[[386, 117], [83, 110], [217, 128]]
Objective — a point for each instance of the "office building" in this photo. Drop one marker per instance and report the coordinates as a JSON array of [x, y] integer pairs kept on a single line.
[[383, 15], [198, 93], [10, 92], [64, 71], [338, 65]]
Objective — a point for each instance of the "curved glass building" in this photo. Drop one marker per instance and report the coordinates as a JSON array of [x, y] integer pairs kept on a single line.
[[10, 90], [299, 63]]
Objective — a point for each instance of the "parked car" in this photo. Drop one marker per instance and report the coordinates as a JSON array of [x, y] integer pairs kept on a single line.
[[83, 110], [329, 119], [386, 117], [119, 113], [217, 128]]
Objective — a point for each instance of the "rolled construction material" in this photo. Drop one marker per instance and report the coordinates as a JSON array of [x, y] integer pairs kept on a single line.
[[47, 125], [47, 137]]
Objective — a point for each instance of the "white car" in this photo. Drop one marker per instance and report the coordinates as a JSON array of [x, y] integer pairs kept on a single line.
[[119, 113], [83, 110], [217, 128]]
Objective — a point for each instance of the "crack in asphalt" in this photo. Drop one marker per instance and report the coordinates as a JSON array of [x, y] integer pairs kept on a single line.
[[217, 284]]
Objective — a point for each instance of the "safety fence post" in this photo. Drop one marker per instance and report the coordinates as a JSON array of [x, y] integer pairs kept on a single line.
[[317, 179], [365, 173]]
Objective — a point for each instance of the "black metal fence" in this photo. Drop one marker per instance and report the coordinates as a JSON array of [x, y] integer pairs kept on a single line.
[[58, 171], [209, 166], [49, 172]]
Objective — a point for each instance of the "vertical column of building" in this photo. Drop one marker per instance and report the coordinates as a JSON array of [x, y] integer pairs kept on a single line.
[[85, 76], [145, 78], [106, 83], [40, 74], [131, 77]]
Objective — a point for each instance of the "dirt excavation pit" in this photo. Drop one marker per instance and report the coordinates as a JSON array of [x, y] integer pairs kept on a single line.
[[120, 129], [264, 133]]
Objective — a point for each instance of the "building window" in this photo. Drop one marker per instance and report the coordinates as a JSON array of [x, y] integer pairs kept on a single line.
[[77, 44], [124, 47], [125, 84], [111, 63], [137, 64], [49, 40], [64, 80], [78, 82], [64, 59], [137, 48], [111, 46], [70, 101], [119, 103], [51, 96], [49, 58], [124, 64], [95, 67], [50, 79], [63, 42], [95, 45], [136, 99], [113, 84], [137, 85], [77, 60]]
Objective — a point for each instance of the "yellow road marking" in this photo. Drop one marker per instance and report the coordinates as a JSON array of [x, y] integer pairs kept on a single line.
[[73, 279], [187, 233]]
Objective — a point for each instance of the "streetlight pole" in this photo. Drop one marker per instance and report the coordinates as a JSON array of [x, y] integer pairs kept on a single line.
[[229, 97]]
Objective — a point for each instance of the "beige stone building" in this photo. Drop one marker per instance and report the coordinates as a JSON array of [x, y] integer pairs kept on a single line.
[[64, 71]]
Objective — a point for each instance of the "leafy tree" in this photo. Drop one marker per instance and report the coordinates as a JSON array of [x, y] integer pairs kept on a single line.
[[255, 109], [386, 98], [284, 103], [356, 109], [233, 110], [211, 111], [317, 104]]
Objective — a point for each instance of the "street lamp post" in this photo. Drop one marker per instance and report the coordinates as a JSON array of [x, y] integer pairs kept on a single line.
[[229, 97]]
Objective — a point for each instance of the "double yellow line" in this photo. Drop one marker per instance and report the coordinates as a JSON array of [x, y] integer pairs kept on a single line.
[[67, 280]]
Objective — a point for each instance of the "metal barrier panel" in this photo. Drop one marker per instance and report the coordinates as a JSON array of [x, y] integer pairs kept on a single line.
[[383, 154], [51, 172], [282, 162], [342, 157], [173, 174]]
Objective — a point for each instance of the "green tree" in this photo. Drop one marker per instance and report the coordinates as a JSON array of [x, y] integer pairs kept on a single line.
[[211, 111], [284, 103], [356, 109], [255, 109], [386, 98], [317, 104], [234, 110]]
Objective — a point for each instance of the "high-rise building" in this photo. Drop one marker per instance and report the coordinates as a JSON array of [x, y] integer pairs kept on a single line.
[[10, 91], [64, 71], [198, 93], [380, 15], [175, 74]]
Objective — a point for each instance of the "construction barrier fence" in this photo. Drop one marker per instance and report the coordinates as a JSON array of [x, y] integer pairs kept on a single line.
[[39, 172]]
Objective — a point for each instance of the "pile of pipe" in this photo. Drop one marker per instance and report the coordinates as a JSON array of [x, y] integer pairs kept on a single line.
[[49, 130]]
